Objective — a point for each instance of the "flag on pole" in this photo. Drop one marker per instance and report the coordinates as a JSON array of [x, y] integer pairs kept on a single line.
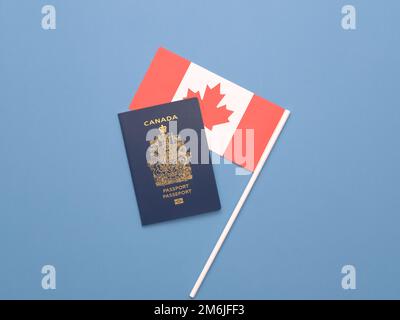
[[240, 125]]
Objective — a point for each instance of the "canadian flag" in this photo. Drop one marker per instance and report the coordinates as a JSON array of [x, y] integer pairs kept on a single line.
[[240, 125]]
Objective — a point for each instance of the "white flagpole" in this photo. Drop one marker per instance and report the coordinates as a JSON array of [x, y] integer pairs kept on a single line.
[[240, 203]]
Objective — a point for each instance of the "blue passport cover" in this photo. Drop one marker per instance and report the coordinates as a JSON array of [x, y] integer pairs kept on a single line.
[[169, 190]]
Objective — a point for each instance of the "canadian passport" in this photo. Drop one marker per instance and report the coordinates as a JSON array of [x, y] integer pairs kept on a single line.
[[169, 161]]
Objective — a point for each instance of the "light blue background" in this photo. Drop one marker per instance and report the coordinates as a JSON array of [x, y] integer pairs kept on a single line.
[[328, 196]]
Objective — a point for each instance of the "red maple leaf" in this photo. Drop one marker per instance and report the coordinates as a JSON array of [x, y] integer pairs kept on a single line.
[[212, 114]]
